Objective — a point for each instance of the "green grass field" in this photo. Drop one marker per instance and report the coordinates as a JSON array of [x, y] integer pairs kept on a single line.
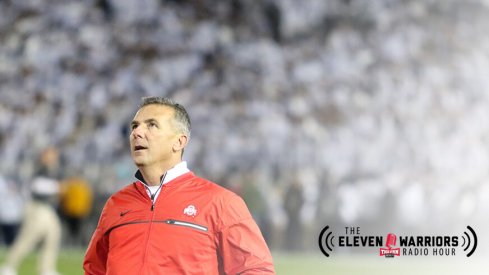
[[70, 262]]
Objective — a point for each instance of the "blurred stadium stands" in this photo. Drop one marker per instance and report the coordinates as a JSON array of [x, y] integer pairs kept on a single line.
[[378, 107]]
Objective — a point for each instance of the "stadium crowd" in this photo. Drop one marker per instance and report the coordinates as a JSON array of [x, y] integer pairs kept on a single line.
[[376, 107]]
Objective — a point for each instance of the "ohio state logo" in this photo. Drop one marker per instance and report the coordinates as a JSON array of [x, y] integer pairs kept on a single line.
[[190, 211]]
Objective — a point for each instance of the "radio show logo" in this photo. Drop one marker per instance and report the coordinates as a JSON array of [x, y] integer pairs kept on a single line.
[[390, 251], [402, 245]]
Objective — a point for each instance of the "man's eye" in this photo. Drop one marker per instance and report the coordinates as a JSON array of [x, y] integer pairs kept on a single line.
[[134, 126], [152, 124]]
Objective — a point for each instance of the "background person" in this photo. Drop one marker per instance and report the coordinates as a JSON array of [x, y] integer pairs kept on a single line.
[[76, 205], [293, 202], [11, 210], [41, 223]]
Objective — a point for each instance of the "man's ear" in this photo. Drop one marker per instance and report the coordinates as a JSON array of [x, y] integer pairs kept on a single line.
[[180, 143]]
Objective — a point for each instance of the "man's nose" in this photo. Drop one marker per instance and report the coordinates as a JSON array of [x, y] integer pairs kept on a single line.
[[138, 132]]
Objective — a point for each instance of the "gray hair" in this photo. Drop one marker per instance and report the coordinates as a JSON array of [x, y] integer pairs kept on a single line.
[[181, 118]]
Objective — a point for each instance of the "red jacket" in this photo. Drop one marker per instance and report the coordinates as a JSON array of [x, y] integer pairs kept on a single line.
[[194, 227]]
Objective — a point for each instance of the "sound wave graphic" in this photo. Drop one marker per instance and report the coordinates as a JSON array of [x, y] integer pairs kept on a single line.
[[467, 240], [327, 242]]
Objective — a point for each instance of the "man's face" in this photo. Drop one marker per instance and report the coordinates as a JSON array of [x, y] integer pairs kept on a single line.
[[153, 136]]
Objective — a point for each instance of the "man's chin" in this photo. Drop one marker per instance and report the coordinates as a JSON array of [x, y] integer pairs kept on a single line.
[[139, 162]]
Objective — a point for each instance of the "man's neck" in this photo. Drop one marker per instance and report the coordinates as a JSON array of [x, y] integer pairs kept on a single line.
[[152, 175]]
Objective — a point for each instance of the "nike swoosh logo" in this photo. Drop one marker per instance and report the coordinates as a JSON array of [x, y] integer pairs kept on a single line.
[[124, 213]]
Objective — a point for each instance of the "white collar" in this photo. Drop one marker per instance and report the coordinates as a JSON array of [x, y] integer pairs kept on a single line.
[[171, 174], [176, 172]]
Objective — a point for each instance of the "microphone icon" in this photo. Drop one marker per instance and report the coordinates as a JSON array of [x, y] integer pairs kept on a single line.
[[389, 251], [391, 240]]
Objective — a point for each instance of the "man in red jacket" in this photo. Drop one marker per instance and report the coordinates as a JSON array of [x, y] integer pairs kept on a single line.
[[169, 221]]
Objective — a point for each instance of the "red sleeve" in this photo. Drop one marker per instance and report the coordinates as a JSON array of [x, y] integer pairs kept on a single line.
[[241, 245], [95, 259]]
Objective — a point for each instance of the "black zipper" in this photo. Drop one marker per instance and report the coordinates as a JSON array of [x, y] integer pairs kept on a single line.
[[152, 196], [123, 224], [170, 222]]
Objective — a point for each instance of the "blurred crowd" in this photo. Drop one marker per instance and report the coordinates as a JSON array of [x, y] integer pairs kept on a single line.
[[335, 112]]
